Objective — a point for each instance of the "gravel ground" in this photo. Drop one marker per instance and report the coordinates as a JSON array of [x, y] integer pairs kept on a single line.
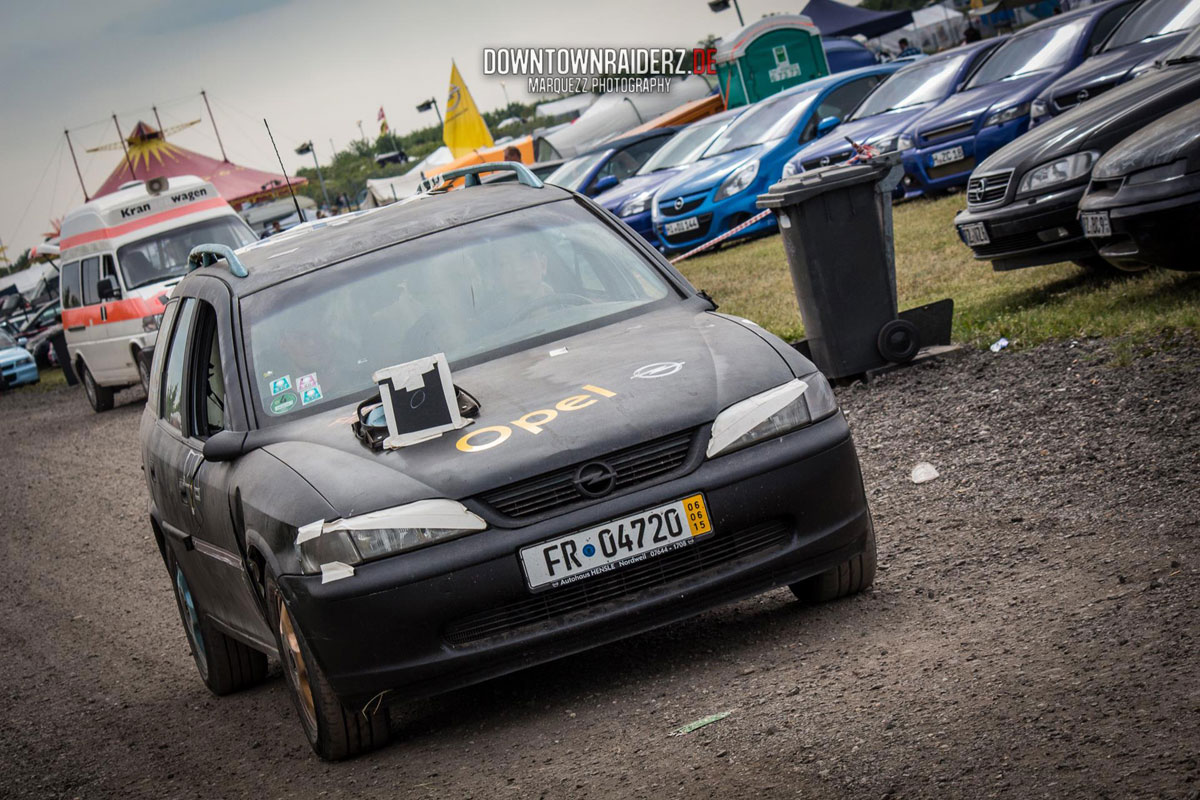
[[1032, 632]]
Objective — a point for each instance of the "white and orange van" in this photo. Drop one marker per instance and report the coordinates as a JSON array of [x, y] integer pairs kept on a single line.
[[120, 255]]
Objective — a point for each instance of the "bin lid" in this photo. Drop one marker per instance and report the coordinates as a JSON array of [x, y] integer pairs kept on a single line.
[[806, 185]]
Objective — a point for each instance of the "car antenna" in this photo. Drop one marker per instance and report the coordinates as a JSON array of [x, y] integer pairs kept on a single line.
[[287, 180]]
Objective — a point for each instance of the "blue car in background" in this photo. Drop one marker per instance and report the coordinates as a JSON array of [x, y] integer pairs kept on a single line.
[[992, 108], [17, 366], [599, 170], [887, 117], [718, 192], [631, 199], [844, 53], [1147, 32]]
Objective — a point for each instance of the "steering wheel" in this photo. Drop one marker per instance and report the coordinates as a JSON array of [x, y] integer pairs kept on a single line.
[[553, 300]]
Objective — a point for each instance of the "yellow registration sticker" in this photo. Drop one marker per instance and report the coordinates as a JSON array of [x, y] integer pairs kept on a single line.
[[697, 515]]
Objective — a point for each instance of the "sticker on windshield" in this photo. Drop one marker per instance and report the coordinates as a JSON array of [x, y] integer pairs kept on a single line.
[[283, 404], [306, 382], [310, 395], [280, 385]]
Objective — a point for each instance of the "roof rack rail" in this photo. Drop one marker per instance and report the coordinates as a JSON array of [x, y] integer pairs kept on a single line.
[[471, 173], [205, 255]]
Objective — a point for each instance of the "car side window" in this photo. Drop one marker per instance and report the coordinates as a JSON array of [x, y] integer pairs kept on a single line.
[[156, 370], [208, 379], [90, 268], [171, 405], [1108, 21], [630, 160], [71, 287]]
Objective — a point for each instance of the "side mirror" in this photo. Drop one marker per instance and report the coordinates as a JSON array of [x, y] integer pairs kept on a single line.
[[603, 184], [828, 124], [22, 341], [108, 288], [225, 446]]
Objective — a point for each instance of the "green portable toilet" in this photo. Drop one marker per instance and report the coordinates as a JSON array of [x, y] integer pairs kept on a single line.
[[768, 56]]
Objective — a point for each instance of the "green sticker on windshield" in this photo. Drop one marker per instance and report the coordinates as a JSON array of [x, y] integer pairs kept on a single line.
[[283, 403]]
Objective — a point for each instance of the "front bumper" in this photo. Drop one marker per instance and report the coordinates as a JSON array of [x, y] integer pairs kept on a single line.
[[18, 373], [922, 177], [782, 511], [1032, 232], [1152, 224]]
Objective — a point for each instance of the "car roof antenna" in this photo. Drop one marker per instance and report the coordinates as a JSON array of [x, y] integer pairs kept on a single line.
[[282, 169]]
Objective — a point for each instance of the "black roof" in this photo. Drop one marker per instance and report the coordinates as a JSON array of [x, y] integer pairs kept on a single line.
[[285, 255]]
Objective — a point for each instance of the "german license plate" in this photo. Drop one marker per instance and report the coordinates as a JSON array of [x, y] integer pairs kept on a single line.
[[681, 226], [1096, 223], [948, 156], [974, 233], [615, 544]]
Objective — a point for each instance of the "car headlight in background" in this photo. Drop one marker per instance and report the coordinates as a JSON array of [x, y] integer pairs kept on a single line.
[[1058, 171], [1039, 109], [355, 540], [1006, 115], [886, 145], [772, 413], [906, 142], [789, 169], [740, 179], [151, 323], [636, 205]]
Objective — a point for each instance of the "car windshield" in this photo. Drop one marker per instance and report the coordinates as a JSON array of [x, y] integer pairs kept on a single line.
[[572, 174], [472, 292], [1155, 18], [1032, 51], [763, 122], [924, 82], [157, 258], [6, 340], [684, 147]]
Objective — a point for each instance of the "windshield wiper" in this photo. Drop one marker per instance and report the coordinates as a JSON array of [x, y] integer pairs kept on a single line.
[[1188, 59]]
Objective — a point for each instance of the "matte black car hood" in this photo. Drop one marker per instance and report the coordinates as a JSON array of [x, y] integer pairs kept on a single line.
[[1175, 136], [1101, 123], [705, 363]]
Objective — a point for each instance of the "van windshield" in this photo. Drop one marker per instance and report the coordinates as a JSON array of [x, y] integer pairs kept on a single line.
[[164, 255]]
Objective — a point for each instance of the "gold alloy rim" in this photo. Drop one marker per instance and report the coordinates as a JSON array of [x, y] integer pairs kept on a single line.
[[294, 663]]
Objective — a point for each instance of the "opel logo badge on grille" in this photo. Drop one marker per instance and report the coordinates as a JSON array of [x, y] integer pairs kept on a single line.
[[1083, 95], [824, 161], [595, 479], [678, 203]]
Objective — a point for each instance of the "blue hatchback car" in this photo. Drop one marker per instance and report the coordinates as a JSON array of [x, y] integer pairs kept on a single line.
[[992, 108], [17, 366], [887, 117], [717, 193], [605, 166]]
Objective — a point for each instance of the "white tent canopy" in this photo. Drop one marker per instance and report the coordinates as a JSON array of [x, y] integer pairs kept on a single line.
[[575, 104], [381, 191]]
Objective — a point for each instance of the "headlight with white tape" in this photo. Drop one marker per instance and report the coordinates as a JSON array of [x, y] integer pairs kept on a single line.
[[1060, 170], [772, 413], [356, 540]]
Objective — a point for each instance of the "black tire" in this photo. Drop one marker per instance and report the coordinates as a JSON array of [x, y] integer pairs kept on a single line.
[[334, 731], [101, 397], [143, 373], [849, 577], [225, 664]]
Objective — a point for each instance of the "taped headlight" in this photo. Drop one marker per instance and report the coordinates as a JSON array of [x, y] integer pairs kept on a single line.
[[1167, 172], [771, 414], [637, 205], [887, 144], [1007, 115], [906, 142], [151, 323], [1058, 171], [739, 180], [355, 540]]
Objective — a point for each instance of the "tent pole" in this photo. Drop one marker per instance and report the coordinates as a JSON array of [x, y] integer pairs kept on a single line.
[[124, 147], [161, 132], [224, 157], [75, 161]]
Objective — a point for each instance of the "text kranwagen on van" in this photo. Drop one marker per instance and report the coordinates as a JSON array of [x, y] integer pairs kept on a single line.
[[121, 254]]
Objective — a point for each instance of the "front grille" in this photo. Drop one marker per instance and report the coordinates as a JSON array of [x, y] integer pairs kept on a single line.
[[944, 170], [705, 220], [1068, 100], [1025, 241], [622, 586], [667, 207], [817, 163], [985, 189], [933, 134], [552, 491]]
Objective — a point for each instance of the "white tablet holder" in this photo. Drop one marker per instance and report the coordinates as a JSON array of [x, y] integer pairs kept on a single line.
[[419, 401]]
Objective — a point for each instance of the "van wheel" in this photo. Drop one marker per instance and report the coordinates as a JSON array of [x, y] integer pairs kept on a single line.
[[849, 577], [225, 664], [101, 397], [143, 373], [334, 731]]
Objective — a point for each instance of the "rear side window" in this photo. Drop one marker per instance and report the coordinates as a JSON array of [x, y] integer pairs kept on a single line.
[[171, 399], [628, 161], [72, 296], [91, 278], [208, 377]]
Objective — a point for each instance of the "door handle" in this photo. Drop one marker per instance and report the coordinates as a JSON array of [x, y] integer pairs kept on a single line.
[[103, 313], [75, 328]]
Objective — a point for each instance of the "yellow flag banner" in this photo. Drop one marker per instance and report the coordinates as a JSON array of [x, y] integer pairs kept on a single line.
[[464, 130]]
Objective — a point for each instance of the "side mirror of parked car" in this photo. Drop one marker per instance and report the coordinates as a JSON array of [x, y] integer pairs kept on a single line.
[[827, 124], [22, 341], [603, 184], [108, 289], [224, 446]]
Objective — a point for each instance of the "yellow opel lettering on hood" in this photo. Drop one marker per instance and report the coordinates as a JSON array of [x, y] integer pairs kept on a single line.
[[533, 422]]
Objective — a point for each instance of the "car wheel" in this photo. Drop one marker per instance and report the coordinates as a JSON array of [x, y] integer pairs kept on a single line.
[[334, 731], [144, 374], [101, 397], [225, 664], [849, 577]]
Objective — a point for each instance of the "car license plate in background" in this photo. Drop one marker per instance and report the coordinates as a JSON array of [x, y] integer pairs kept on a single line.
[[1096, 223], [974, 233], [680, 226], [615, 544], [948, 156]]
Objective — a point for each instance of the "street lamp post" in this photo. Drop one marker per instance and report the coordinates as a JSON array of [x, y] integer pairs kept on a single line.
[[432, 103], [717, 6], [304, 149]]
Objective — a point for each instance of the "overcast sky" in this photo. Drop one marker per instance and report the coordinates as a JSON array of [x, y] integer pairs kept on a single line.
[[311, 68]]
